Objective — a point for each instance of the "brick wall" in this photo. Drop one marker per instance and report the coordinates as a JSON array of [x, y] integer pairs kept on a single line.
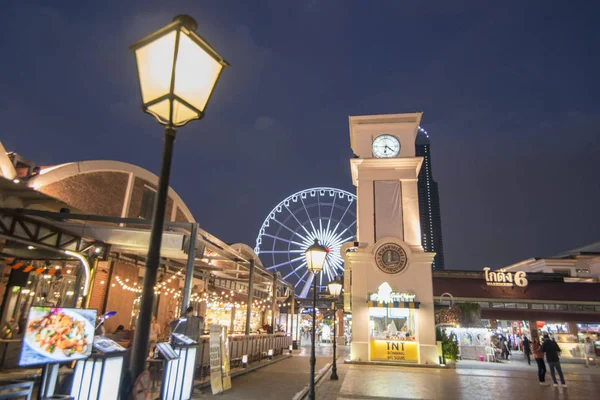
[[136, 199], [180, 216], [119, 299], [100, 193], [100, 287]]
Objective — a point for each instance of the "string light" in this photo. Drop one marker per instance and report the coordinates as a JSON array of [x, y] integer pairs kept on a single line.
[[125, 286]]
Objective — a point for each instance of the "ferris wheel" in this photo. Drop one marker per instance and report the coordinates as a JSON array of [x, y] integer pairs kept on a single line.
[[322, 213]]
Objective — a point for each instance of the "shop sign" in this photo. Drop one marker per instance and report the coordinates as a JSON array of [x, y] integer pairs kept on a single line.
[[502, 278], [216, 380], [226, 378], [394, 350], [386, 295]]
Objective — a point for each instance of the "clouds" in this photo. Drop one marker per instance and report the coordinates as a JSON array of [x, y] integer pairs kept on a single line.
[[263, 123], [508, 94]]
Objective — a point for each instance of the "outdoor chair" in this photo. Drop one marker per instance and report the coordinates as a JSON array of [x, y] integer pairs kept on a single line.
[[18, 390], [490, 353]]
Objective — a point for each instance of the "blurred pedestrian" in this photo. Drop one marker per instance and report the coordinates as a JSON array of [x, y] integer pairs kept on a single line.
[[590, 353], [552, 351], [527, 349], [538, 354]]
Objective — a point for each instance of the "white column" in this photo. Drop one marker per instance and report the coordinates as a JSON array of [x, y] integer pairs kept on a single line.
[[410, 208], [365, 212]]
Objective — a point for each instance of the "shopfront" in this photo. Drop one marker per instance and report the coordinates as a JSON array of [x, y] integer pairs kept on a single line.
[[566, 309], [392, 328]]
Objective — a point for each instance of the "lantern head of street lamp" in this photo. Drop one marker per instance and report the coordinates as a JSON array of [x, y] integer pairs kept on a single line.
[[335, 287], [178, 71], [315, 257]]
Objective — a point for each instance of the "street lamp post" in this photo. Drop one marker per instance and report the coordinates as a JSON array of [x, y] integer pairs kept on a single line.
[[178, 71], [335, 288], [315, 258]]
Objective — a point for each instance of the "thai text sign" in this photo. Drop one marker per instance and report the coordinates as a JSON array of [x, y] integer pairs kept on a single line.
[[502, 278], [225, 358], [394, 350], [216, 379]]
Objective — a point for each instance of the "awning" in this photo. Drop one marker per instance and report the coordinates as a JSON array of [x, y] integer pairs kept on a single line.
[[394, 304]]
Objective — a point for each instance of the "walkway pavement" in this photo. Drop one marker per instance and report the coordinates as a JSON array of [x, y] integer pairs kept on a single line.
[[278, 381], [385, 383], [471, 380]]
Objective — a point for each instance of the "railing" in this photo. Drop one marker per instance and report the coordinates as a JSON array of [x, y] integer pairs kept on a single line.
[[256, 347]]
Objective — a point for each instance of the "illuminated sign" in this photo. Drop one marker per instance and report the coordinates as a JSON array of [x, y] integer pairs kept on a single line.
[[502, 278], [386, 295], [394, 350]]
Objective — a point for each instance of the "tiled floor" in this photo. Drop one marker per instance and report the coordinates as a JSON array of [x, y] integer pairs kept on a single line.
[[382, 383]]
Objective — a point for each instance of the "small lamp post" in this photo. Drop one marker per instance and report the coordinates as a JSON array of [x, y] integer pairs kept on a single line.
[[335, 288], [315, 259], [178, 71]]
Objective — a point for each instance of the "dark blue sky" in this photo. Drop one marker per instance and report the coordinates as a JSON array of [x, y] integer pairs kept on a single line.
[[509, 91]]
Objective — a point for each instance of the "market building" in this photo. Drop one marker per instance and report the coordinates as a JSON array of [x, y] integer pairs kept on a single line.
[[77, 234], [557, 295]]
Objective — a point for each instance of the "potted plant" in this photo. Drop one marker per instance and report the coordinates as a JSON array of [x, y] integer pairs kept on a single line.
[[449, 345]]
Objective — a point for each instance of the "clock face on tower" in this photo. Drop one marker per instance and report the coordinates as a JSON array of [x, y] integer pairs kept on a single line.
[[391, 258], [386, 146]]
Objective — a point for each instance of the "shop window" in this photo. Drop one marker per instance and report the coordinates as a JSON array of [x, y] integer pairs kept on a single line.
[[484, 304], [497, 305], [588, 307], [392, 323], [147, 203], [537, 306], [561, 307], [510, 305], [575, 307], [597, 308], [549, 306], [522, 306]]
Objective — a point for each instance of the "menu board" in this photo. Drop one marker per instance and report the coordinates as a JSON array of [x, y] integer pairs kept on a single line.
[[183, 339], [106, 345], [166, 351], [55, 335]]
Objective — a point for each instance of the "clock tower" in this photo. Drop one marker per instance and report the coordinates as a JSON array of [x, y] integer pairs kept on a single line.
[[388, 275]]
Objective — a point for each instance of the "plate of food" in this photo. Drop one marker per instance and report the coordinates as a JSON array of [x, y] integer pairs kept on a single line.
[[59, 334]]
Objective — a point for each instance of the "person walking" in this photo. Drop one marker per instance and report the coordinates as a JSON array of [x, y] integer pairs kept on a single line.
[[527, 349], [154, 333], [538, 354], [551, 349], [590, 353]]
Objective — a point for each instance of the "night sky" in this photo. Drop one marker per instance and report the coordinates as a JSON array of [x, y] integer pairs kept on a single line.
[[509, 92]]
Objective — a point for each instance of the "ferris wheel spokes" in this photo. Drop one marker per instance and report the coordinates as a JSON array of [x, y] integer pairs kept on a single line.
[[325, 214], [307, 285]]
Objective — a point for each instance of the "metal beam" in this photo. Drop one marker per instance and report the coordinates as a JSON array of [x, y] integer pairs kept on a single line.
[[189, 270], [250, 297]]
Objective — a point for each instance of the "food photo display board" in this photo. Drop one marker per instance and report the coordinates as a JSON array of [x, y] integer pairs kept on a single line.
[[56, 335]]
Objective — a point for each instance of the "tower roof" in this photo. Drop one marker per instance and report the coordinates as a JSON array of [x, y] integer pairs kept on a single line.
[[422, 137]]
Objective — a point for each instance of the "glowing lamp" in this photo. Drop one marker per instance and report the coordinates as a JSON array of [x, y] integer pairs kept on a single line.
[[270, 354], [315, 257], [335, 287], [178, 71], [244, 361]]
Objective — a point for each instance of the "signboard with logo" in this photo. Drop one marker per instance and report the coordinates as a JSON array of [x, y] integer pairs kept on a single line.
[[503, 278], [394, 350], [225, 359], [216, 379]]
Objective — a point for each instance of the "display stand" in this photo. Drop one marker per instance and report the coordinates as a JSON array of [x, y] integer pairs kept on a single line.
[[48, 382], [170, 376], [178, 375], [99, 376]]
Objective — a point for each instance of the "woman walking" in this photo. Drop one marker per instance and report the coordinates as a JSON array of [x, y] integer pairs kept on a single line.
[[538, 354]]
